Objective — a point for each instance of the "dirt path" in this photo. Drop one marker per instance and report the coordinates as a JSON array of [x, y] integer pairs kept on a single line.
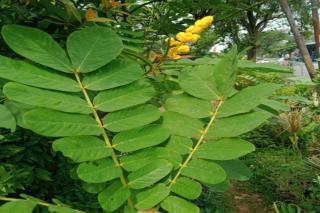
[[248, 202]]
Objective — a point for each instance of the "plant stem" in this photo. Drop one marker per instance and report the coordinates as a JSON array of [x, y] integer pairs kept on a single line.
[[199, 142], [104, 133]]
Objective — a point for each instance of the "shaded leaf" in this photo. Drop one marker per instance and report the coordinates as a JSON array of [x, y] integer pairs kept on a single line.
[[7, 120], [235, 169], [93, 188]]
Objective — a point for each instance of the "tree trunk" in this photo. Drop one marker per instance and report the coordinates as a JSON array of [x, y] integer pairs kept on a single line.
[[316, 24], [252, 53], [299, 40]]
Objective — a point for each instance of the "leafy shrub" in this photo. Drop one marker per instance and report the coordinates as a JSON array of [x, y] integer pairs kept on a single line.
[[100, 110]]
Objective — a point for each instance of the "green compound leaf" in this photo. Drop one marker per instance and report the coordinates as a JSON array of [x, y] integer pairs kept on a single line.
[[204, 171], [235, 169], [136, 139], [149, 174], [141, 158], [115, 74], [37, 46], [151, 197], [187, 188], [173, 204], [98, 171], [82, 148], [7, 120], [114, 196], [198, 82], [180, 145], [224, 149], [189, 105], [93, 47], [45, 98], [25, 206], [131, 118], [182, 125], [58, 124], [32, 75], [236, 125], [247, 99], [126, 96]]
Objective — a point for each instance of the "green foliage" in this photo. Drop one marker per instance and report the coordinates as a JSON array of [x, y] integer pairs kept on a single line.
[[141, 163], [291, 179]]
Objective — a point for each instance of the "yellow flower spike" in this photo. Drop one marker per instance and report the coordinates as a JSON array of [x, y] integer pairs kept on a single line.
[[195, 38], [194, 29], [201, 23], [205, 22], [184, 37], [183, 49], [208, 19], [173, 42]]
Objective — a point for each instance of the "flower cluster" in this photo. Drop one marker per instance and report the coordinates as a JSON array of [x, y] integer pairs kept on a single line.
[[179, 45]]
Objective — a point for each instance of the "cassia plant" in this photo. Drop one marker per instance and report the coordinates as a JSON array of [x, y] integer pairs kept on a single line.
[[134, 153]]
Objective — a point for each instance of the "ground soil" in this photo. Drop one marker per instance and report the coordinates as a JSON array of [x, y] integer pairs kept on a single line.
[[248, 202]]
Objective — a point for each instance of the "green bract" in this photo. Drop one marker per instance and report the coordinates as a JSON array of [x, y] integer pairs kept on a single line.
[[103, 114]]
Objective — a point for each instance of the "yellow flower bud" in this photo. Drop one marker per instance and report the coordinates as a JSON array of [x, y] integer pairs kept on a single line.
[[183, 49], [194, 29]]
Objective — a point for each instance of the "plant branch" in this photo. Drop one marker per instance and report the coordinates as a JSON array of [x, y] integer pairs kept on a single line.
[[104, 133], [199, 142]]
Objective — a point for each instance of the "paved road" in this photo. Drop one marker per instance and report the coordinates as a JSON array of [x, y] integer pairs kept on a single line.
[[300, 69]]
